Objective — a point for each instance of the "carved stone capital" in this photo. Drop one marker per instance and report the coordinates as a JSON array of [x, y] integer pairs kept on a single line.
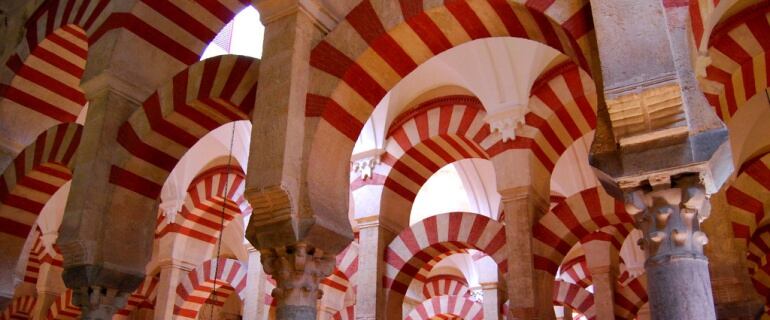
[[98, 302], [670, 220], [364, 163], [298, 270], [506, 122]]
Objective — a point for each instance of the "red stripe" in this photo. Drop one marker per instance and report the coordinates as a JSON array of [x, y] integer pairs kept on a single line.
[[468, 19], [182, 19], [235, 76], [38, 105], [364, 19], [134, 182], [74, 48], [341, 120], [45, 81], [128, 138], [508, 17], [327, 58], [14, 228], [57, 61], [148, 33]]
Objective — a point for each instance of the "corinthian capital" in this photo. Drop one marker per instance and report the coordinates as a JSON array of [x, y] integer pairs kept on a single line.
[[669, 218], [298, 270]]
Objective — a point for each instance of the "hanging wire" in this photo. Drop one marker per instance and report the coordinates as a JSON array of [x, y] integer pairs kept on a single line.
[[222, 222]]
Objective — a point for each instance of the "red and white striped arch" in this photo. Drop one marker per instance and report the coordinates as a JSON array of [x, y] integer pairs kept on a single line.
[[740, 61], [196, 101], [349, 313], [142, 298], [577, 298], [417, 245], [377, 45], [705, 17], [576, 271], [445, 285], [422, 275], [179, 28], [196, 289], [63, 308], [439, 132], [19, 308], [201, 214], [447, 307], [571, 221], [748, 196], [43, 74], [630, 298], [39, 255], [34, 176], [346, 268]]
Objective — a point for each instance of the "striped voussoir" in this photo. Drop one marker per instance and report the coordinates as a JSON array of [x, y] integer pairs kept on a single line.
[[445, 285], [447, 307], [49, 62], [179, 28], [571, 221], [630, 298], [418, 280], [417, 245], [576, 272], [345, 269], [19, 308], [439, 132], [747, 197], [196, 101], [740, 61], [377, 45], [196, 288], [142, 298], [201, 214], [39, 255], [575, 297], [348, 313], [35, 175], [63, 308]]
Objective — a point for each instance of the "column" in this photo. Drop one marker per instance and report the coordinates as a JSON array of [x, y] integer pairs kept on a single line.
[[568, 313], [254, 307], [49, 286], [298, 270], [601, 258], [45, 300], [529, 291], [370, 297], [669, 216], [170, 274], [106, 234], [489, 296]]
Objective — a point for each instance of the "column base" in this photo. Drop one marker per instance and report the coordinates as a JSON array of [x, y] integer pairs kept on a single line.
[[295, 313], [680, 288]]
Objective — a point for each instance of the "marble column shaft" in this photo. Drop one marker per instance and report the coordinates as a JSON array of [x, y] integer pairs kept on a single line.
[[678, 282], [170, 275], [370, 297], [529, 291]]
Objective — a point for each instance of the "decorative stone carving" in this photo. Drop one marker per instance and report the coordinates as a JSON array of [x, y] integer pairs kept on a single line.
[[506, 122], [669, 219], [298, 270], [365, 167], [647, 111], [268, 205], [99, 303]]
